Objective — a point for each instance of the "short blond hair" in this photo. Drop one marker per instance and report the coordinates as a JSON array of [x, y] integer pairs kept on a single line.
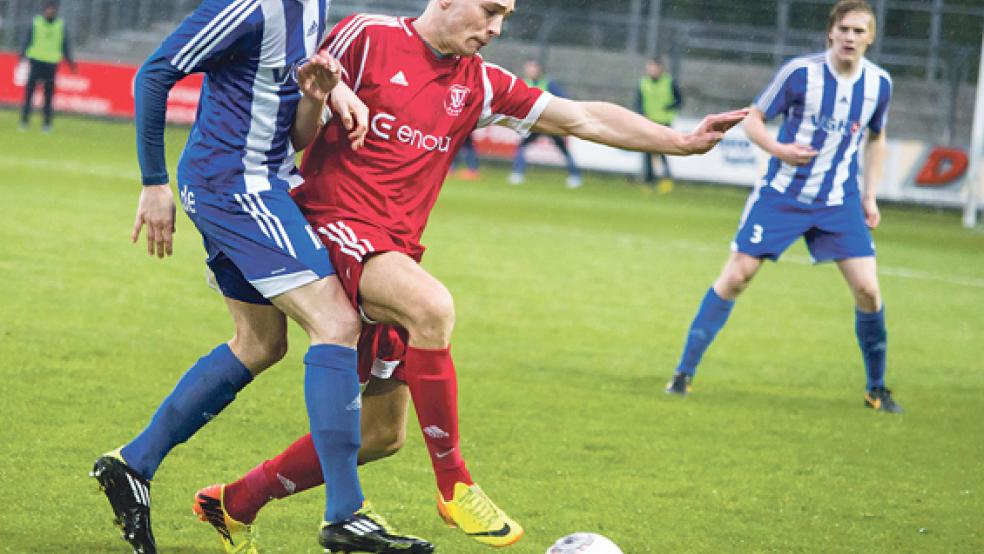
[[844, 7]]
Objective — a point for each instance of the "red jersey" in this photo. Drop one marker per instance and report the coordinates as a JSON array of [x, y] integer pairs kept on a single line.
[[421, 109]]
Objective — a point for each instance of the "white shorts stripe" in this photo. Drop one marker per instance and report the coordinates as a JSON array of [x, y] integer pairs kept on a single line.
[[260, 224], [280, 226], [341, 244], [254, 212]]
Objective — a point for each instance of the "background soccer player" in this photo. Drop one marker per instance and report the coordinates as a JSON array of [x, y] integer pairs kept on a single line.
[[831, 102], [426, 90], [234, 178]]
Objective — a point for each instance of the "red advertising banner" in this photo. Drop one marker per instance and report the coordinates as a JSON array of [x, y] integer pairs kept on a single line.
[[97, 88]]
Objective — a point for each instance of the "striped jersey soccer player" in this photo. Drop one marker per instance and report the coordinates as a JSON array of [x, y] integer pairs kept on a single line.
[[234, 179], [426, 90], [831, 102]]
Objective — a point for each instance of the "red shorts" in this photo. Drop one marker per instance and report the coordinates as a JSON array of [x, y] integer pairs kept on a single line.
[[350, 244], [382, 348]]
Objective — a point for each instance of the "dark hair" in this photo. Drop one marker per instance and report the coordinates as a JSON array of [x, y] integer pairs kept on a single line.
[[49, 4], [844, 7]]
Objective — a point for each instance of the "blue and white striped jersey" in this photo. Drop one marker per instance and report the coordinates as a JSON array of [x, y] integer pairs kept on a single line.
[[830, 113], [249, 51]]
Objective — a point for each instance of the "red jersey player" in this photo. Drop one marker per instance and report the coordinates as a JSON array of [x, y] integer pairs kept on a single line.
[[426, 90]]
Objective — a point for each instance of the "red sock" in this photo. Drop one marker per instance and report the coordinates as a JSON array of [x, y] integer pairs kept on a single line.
[[434, 389], [294, 470]]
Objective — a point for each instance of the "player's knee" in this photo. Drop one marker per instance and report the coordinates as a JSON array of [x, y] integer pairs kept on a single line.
[[259, 352], [381, 442], [868, 297], [434, 317]]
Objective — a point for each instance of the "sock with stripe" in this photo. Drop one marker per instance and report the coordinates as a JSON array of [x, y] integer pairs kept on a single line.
[[294, 470], [711, 316], [201, 393], [873, 340], [434, 389], [331, 392]]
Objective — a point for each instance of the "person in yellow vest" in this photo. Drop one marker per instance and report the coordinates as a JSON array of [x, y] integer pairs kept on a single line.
[[534, 76], [45, 46], [658, 98]]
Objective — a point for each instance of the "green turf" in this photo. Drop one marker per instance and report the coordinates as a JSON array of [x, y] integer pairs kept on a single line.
[[571, 307]]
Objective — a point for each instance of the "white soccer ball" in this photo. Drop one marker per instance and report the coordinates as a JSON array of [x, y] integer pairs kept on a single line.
[[584, 543]]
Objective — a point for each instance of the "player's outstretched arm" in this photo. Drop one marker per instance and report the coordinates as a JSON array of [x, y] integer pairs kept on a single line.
[[875, 151], [607, 123], [320, 82], [791, 153], [316, 79]]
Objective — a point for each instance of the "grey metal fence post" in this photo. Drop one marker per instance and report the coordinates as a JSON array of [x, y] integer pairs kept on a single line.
[[652, 33], [782, 29], [880, 15], [635, 16], [935, 24]]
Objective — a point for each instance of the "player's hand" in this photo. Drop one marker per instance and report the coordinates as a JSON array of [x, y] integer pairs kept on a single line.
[[795, 154], [156, 209], [872, 217], [353, 113], [319, 76], [711, 130]]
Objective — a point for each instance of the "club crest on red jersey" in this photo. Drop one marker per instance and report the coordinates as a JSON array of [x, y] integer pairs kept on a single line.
[[454, 103]]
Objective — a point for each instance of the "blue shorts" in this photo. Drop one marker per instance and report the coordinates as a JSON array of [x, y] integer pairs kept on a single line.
[[772, 221], [258, 244]]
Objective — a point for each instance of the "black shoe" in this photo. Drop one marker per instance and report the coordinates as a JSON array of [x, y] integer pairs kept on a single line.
[[367, 531], [129, 496], [880, 399], [679, 384]]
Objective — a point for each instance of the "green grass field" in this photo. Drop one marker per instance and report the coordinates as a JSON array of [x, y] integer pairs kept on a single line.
[[572, 307]]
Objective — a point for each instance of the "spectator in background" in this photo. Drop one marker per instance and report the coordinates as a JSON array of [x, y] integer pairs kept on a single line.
[[469, 156], [658, 98], [533, 76], [45, 46]]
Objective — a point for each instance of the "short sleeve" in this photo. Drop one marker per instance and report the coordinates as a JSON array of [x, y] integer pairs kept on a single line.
[[880, 116], [210, 33], [787, 85], [509, 101]]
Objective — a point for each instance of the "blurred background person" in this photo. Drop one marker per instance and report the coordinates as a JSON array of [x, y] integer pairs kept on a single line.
[[534, 76], [468, 155], [659, 99], [45, 46]]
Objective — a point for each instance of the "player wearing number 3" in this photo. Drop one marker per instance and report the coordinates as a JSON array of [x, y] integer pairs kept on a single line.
[[830, 103]]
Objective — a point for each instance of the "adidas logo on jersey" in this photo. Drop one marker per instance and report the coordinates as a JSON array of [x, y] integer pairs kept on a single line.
[[399, 79], [435, 432], [313, 28]]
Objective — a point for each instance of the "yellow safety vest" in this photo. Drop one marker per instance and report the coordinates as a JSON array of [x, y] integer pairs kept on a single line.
[[657, 97], [47, 40]]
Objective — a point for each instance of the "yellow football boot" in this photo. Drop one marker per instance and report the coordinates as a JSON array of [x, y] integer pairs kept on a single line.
[[236, 537], [475, 514]]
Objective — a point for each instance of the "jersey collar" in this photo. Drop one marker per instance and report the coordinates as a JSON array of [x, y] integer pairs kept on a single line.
[[850, 78]]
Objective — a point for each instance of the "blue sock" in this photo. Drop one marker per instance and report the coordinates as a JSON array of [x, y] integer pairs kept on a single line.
[[201, 393], [331, 391], [711, 316], [873, 340]]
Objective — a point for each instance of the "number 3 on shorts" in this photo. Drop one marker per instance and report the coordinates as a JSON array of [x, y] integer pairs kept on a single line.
[[757, 231]]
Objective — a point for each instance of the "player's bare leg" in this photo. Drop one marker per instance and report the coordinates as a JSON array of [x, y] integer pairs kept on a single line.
[[394, 288], [861, 275], [734, 278]]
